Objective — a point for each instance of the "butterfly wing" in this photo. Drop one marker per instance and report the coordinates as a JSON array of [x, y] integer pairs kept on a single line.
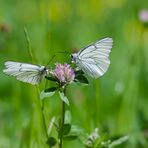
[[94, 59], [28, 73]]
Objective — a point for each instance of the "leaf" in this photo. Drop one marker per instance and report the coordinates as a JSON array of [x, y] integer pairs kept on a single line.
[[44, 94], [75, 132], [70, 137], [52, 89], [66, 129], [81, 79], [50, 78], [78, 131], [79, 72], [118, 141], [64, 98], [51, 125], [51, 141], [67, 117]]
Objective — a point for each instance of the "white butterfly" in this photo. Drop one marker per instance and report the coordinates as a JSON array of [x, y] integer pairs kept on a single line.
[[93, 59], [28, 73]]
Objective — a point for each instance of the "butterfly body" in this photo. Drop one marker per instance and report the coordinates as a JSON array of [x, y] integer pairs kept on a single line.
[[74, 58], [43, 70]]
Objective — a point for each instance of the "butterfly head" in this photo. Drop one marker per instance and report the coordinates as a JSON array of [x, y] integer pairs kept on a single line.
[[43, 70], [73, 57]]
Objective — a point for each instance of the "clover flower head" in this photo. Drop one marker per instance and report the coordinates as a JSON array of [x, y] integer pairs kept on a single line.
[[143, 16], [64, 73]]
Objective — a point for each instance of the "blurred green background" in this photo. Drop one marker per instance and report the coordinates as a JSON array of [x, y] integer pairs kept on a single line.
[[116, 103]]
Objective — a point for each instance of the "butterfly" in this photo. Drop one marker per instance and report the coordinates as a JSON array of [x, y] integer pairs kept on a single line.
[[24, 72], [94, 59]]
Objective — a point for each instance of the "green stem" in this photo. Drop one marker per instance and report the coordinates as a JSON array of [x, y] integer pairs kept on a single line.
[[62, 122], [44, 121], [42, 114], [43, 117], [28, 45]]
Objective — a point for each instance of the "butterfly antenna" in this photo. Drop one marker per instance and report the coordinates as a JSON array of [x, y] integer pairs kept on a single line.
[[64, 52], [50, 60]]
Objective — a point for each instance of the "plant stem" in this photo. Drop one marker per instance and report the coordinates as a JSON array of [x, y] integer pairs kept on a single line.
[[28, 45], [62, 122], [42, 114], [43, 117], [44, 121]]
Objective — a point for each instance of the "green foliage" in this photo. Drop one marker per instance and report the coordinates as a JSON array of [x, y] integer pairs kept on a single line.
[[51, 141], [45, 94], [66, 129], [50, 78], [67, 117], [52, 89], [81, 79], [63, 98], [118, 141]]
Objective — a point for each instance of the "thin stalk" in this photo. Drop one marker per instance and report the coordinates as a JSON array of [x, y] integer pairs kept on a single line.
[[44, 123], [62, 122], [42, 114], [43, 117], [28, 45]]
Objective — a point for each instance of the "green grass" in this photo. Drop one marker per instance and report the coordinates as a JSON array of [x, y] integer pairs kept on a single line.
[[115, 103]]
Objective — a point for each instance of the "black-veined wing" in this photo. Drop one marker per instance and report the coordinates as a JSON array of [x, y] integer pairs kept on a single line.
[[93, 59], [28, 73]]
